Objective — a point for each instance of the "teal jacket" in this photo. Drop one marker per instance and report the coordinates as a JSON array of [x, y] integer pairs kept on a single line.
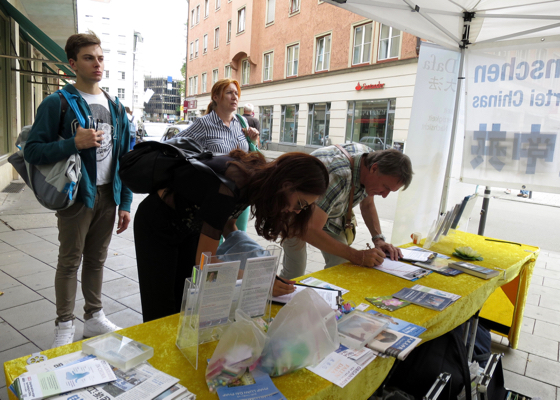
[[43, 146]]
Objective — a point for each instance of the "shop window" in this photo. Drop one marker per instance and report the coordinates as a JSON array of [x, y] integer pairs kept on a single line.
[[389, 41], [288, 123], [323, 53], [241, 20], [267, 66], [265, 117], [292, 62], [371, 122], [214, 76], [318, 122], [362, 44], [245, 71], [270, 5]]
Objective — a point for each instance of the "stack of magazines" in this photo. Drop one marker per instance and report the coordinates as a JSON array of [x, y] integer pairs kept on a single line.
[[79, 376]]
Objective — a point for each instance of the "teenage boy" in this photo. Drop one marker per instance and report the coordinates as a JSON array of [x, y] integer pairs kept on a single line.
[[85, 228]]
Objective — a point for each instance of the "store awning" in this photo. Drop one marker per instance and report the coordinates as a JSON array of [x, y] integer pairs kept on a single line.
[[30, 32]]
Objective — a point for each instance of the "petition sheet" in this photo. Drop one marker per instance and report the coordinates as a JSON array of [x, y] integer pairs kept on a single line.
[[257, 279], [217, 293]]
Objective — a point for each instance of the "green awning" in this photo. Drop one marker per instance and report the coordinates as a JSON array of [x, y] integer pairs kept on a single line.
[[37, 37]]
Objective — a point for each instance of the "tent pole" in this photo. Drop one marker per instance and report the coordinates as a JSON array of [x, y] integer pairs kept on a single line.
[[447, 179], [484, 211]]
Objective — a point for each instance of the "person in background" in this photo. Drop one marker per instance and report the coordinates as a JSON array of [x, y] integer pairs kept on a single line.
[[133, 127], [249, 114], [220, 131], [85, 228], [375, 174], [175, 225]]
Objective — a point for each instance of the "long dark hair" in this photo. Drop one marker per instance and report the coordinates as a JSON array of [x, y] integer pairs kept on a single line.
[[269, 185]]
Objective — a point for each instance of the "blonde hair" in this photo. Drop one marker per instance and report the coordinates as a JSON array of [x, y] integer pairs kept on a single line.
[[218, 89]]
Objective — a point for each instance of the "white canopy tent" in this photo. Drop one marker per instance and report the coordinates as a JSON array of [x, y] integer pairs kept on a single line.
[[462, 26]]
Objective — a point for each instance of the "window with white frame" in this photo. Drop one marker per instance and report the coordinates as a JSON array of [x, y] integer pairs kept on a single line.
[[245, 71], [294, 6], [197, 14], [292, 61], [267, 66], [362, 44], [190, 86], [217, 4], [105, 88], [120, 93], [214, 76], [192, 17], [270, 5], [192, 50], [121, 75], [389, 41], [203, 83], [323, 53], [241, 20], [204, 44], [106, 73], [216, 38], [195, 84], [227, 71], [206, 8], [196, 48], [228, 39]]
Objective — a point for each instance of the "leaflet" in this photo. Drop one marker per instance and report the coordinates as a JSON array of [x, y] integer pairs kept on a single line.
[[257, 280], [400, 325], [65, 379], [319, 283], [394, 344], [216, 295], [142, 382], [262, 388], [402, 270], [340, 367], [438, 292], [58, 362], [330, 296]]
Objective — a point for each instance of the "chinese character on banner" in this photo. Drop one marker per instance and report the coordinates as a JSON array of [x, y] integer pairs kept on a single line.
[[493, 149], [533, 146], [435, 83]]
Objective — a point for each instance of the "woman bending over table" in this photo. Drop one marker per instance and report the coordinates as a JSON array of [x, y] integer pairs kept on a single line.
[[175, 225]]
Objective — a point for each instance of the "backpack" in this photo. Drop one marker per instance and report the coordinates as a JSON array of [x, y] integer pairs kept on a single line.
[[131, 129], [150, 165], [55, 185]]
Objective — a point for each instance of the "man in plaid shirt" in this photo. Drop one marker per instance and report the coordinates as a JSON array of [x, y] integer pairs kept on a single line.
[[375, 173]]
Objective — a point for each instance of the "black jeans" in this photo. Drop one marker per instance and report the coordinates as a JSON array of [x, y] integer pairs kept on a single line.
[[165, 256]]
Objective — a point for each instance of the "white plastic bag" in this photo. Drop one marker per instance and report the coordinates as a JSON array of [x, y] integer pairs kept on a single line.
[[302, 334], [240, 347]]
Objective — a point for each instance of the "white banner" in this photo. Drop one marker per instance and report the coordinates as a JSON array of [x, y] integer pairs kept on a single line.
[[513, 118], [427, 145]]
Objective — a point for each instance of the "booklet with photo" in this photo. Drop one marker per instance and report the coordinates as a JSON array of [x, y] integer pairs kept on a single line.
[[424, 299], [426, 289], [402, 270], [263, 387], [440, 265], [388, 303], [358, 328], [394, 344], [399, 325], [475, 270]]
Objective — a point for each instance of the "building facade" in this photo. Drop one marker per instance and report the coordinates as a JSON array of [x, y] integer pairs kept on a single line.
[[122, 44], [165, 104], [32, 66], [315, 73]]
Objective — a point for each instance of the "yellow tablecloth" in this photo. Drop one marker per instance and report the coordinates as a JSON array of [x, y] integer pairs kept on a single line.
[[362, 283]]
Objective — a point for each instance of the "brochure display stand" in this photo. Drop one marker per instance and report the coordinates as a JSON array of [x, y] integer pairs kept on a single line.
[[219, 286]]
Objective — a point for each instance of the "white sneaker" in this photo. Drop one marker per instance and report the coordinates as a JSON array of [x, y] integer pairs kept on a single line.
[[63, 334], [98, 325]]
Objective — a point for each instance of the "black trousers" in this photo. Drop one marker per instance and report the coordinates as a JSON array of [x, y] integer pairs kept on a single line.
[[165, 256]]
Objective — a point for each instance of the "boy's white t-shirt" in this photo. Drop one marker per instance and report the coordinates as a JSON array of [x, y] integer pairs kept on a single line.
[[99, 106]]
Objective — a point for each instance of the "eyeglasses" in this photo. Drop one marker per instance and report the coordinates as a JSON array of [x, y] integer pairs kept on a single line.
[[301, 207]]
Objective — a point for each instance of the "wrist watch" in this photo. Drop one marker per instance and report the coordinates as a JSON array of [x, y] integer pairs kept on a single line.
[[380, 236]]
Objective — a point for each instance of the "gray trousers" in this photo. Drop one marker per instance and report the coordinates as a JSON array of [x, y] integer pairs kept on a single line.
[[83, 232], [295, 256]]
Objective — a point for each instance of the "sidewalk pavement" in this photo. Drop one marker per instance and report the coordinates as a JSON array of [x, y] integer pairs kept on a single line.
[[28, 256]]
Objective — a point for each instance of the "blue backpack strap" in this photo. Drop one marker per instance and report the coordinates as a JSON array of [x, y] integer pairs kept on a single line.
[[71, 99]]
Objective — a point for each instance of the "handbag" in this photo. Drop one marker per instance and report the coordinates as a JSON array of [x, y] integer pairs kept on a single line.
[[252, 145], [350, 219]]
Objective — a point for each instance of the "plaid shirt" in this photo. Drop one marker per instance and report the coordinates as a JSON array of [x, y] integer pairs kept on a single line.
[[336, 200]]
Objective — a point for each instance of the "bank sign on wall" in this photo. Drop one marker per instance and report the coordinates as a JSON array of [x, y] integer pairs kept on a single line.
[[512, 132]]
